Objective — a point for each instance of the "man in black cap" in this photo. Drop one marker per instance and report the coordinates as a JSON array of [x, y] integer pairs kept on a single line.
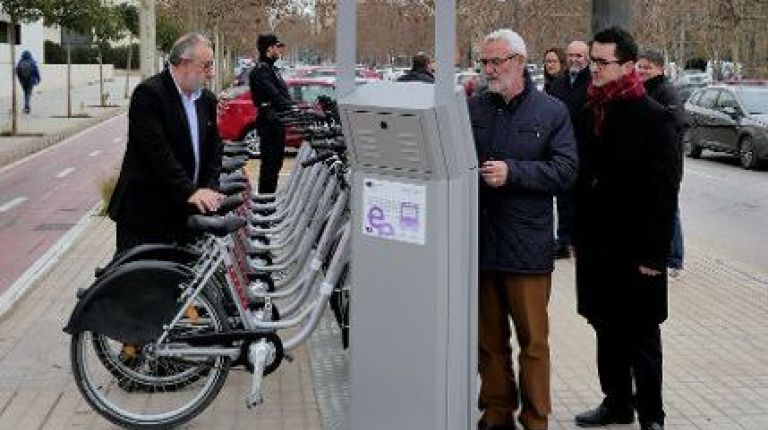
[[270, 96]]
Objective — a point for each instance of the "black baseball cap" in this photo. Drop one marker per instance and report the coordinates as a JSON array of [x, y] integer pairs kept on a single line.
[[266, 40]]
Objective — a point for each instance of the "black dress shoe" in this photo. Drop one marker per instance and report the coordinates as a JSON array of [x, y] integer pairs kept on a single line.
[[603, 415], [483, 426], [651, 426]]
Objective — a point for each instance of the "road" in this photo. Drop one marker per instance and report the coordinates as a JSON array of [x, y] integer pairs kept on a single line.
[[43, 196], [725, 210]]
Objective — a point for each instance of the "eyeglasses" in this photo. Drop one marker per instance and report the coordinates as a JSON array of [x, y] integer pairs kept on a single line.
[[207, 65], [601, 63], [495, 62]]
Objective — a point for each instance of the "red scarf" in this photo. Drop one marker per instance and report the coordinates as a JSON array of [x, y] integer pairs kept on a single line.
[[629, 87]]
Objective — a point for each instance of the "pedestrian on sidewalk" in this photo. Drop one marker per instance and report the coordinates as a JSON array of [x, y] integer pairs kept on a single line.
[[527, 153], [422, 69], [625, 200], [29, 76], [173, 157], [571, 89], [650, 67]]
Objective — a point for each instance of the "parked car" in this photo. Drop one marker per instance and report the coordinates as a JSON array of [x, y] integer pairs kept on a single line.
[[236, 117], [731, 119]]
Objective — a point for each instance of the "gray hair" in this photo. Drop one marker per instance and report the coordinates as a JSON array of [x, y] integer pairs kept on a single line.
[[655, 57], [514, 41], [183, 48]]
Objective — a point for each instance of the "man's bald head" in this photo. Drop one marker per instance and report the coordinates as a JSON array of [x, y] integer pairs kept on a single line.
[[577, 56]]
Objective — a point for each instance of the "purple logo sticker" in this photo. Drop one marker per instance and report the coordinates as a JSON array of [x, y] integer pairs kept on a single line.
[[377, 220]]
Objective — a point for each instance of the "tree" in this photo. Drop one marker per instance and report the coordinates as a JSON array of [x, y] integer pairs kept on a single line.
[[19, 11], [129, 15], [107, 27], [74, 15]]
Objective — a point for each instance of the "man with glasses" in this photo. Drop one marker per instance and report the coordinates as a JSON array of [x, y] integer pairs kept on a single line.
[[271, 97], [625, 199], [527, 153], [571, 88], [173, 156]]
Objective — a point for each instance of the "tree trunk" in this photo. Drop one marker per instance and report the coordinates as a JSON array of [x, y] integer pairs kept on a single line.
[[69, 78], [128, 64], [101, 79], [14, 108]]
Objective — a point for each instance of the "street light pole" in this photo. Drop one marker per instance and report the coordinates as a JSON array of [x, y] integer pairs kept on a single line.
[[606, 13]]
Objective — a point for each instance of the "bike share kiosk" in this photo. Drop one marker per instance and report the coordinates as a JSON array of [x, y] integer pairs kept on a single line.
[[413, 299]]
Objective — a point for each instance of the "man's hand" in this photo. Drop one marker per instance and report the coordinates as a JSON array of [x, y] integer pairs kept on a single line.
[[206, 200], [647, 271], [494, 173]]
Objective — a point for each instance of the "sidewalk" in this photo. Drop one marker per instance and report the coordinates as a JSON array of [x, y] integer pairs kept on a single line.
[[716, 341], [715, 349], [47, 123], [716, 344]]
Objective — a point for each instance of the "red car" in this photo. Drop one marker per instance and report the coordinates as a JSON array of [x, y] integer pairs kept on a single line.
[[236, 115]]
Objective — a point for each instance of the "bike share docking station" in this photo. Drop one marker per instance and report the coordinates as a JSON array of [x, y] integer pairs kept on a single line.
[[413, 330]]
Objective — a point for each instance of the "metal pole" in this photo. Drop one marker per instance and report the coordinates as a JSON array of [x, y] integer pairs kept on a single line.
[[445, 47], [346, 47], [606, 13]]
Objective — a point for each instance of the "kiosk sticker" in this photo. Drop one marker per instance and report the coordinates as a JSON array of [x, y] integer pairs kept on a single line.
[[395, 211]]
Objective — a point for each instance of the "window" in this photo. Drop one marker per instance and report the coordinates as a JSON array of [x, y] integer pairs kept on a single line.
[[727, 100], [4, 33], [708, 99]]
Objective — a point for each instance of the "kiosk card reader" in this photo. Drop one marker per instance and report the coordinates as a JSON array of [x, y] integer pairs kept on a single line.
[[413, 299]]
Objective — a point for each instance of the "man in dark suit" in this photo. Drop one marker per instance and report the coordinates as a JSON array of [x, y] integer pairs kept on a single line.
[[173, 157], [571, 89], [624, 204]]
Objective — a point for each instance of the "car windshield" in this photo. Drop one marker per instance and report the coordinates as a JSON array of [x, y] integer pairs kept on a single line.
[[755, 101]]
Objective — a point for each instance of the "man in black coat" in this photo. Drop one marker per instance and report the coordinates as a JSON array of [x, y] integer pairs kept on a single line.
[[173, 156], [527, 152], [271, 97], [650, 67], [625, 199], [571, 88], [422, 70]]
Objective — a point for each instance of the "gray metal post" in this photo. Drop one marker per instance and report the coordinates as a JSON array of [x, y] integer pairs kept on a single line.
[[346, 47], [606, 13], [445, 42]]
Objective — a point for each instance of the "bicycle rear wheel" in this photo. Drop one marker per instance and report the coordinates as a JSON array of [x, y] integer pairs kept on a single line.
[[146, 392]]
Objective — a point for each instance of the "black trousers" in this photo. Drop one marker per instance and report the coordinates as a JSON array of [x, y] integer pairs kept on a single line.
[[272, 147], [626, 353]]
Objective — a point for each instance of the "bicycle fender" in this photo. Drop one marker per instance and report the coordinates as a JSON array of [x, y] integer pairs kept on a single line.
[[152, 251], [131, 302]]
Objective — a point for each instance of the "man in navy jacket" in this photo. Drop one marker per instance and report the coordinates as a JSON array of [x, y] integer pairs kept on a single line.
[[527, 153]]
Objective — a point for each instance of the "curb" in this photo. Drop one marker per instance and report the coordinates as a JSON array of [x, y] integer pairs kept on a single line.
[[39, 268], [51, 139]]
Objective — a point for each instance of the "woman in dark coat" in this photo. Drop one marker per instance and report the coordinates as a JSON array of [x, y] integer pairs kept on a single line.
[[554, 66]]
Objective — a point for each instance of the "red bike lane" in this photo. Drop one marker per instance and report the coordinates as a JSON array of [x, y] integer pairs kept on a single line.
[[44, 196]]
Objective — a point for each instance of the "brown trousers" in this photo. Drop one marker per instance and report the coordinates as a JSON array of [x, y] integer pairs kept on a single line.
[[524, 298]]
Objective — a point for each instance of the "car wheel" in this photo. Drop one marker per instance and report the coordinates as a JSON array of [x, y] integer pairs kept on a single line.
[[747, 153], [252, 140], [692, 150]]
